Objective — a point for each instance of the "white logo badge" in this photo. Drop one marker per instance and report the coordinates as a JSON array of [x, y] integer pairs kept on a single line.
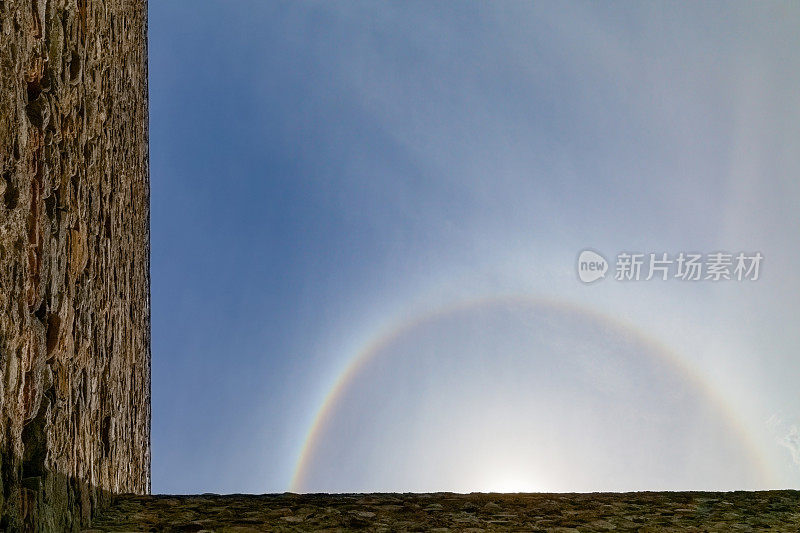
[[591, 266]]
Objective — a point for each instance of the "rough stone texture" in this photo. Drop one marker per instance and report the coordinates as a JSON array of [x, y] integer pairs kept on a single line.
[[74, 259], [642, 511]]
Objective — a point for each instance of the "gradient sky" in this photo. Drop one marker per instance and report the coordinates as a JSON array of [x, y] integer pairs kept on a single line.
[[323, 173]]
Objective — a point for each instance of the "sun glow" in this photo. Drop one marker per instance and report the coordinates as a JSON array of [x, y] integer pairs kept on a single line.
[[509, 479]]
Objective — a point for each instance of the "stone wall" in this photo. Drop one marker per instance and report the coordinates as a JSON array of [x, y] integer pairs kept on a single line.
[[713, 512], [74, 259]]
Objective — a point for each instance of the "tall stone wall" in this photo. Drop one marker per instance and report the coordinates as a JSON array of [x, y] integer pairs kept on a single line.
[[74, 259]]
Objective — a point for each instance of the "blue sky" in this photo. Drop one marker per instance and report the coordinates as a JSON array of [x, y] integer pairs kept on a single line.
[[321, 172]]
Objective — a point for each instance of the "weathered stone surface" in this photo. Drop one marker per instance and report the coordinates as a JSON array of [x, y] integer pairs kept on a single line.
[[642, 511], [74, 259]]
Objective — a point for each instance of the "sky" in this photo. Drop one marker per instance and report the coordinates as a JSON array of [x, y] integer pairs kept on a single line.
[[365, 225]]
